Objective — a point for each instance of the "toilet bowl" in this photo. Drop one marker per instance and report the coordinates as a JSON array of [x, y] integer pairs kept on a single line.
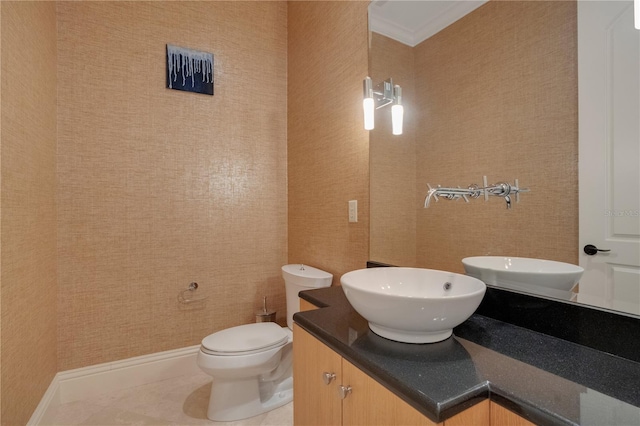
[[251, 364]]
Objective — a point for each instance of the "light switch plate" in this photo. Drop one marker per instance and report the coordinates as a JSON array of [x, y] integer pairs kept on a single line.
[[353, 210]]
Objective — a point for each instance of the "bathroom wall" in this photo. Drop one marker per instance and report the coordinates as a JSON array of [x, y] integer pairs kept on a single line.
[[328, 149], [501, 103], [0, 217], [393, 158], [158, 188], [28, 204]]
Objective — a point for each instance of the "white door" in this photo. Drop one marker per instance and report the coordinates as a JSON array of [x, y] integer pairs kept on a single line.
[[609, 159]]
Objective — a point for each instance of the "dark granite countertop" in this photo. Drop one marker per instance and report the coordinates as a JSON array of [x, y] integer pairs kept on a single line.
[[547, 380]]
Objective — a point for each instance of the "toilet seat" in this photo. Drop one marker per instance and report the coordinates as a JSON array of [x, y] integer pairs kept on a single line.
[[245, 339]]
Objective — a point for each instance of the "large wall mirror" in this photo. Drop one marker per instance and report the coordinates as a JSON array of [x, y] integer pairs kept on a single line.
[[499, 89]]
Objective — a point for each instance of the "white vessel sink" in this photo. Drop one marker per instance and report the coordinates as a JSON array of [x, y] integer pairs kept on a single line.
[[546, 277], [412, 305]]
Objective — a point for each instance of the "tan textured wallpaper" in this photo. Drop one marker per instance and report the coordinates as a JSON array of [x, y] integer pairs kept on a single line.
[[0, 218], [28, 203], [393, 158], [158, 187], [328, 148], [498, 97]]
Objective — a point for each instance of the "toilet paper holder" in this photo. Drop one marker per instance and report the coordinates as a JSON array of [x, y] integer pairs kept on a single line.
[[188, 295]]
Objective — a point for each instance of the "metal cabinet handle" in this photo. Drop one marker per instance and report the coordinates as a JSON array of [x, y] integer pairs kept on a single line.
[[590, 249], [327, 378], [344, 391]]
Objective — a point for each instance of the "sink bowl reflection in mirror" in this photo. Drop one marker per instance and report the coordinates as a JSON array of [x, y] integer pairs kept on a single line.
[[539, 276], [412, 305]]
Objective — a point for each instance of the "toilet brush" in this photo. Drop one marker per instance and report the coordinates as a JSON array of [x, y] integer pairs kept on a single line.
[[264, 315]]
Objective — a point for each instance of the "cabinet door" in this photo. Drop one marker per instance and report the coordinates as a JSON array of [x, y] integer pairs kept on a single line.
[[478, 415], [370, 403], [314, 402], [306, 306], [500, 416]]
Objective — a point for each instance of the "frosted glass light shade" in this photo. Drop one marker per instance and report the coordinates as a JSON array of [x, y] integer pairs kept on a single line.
[[368, 107], [397, 116]]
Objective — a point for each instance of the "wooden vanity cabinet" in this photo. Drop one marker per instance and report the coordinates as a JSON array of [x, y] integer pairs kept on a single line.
[[318, 374], [503, 417], [370, 403], [314, 402], [329, 390], [306, 306]]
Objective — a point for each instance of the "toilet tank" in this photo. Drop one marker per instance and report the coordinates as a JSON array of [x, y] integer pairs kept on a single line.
[[297, 278]]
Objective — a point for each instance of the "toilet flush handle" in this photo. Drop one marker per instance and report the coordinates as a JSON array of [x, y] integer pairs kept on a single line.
[[327, 378]]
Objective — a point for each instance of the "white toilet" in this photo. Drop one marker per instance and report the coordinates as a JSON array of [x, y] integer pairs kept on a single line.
[[251, 364]]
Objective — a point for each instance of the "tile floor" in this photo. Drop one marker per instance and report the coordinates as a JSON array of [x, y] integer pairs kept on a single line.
[[178, 401]]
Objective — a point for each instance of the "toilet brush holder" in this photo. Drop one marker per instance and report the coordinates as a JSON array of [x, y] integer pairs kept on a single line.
[[264, 315]]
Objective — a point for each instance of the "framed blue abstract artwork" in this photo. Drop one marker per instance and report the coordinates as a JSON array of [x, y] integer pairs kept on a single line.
[[189, 70]]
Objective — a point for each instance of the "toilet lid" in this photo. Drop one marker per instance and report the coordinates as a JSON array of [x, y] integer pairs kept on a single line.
[[245, 338]]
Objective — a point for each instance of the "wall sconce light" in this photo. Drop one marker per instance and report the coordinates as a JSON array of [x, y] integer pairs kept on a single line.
[[397, 110], [384, 94], [368, 104]]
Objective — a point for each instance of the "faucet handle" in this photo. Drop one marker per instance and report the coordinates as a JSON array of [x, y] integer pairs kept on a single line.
[[463, 195], [431, 194]]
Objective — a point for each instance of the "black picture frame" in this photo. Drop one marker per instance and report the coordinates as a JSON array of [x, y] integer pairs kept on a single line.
[[189, 70]]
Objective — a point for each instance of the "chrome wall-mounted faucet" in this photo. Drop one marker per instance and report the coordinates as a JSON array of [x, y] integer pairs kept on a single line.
[[500, 189]]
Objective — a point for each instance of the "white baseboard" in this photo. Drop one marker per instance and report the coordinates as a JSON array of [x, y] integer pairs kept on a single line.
[[95, 380]]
